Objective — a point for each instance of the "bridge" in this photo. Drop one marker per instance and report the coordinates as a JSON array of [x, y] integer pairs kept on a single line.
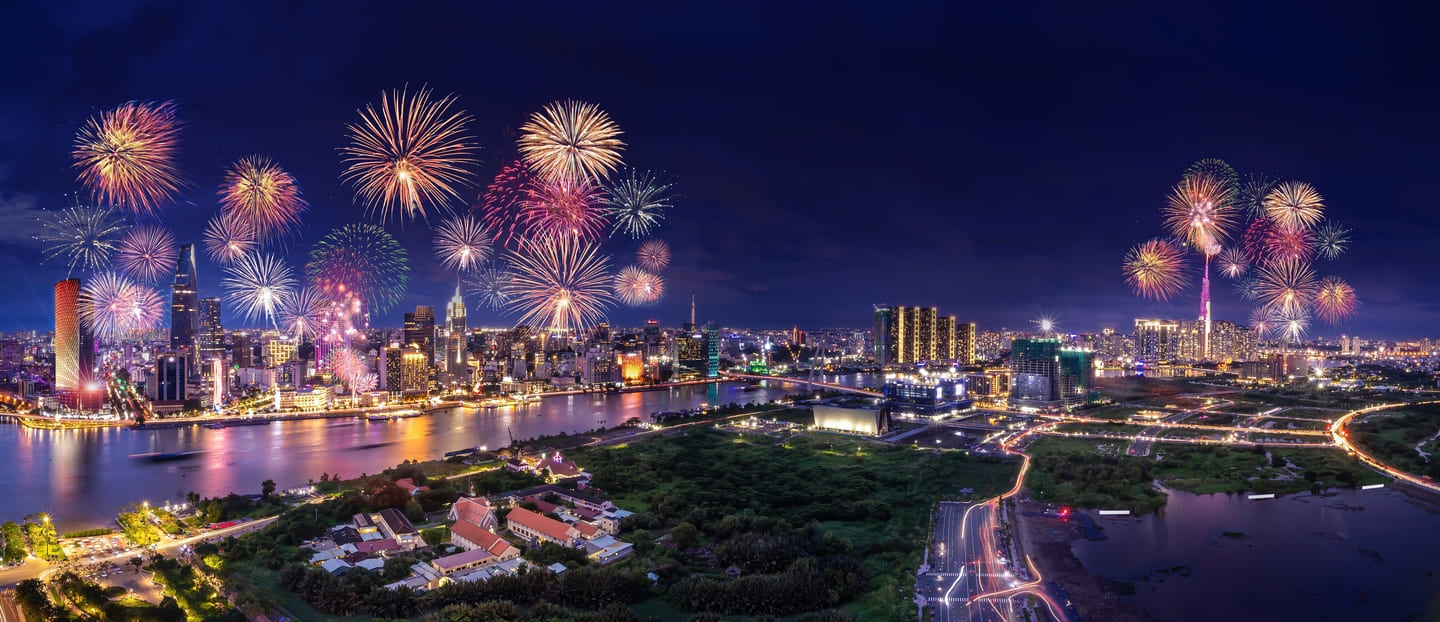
[[12, 400], [808, 382]]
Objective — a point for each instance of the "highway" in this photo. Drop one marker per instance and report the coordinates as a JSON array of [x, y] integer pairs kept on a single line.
[[1342, 439], [36, 568]]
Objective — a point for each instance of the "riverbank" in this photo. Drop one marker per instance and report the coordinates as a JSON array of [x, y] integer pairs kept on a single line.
[[1047, 541]]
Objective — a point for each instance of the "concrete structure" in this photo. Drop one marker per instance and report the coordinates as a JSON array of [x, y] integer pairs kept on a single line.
[[538, 528], [185, 305], [852, 419]]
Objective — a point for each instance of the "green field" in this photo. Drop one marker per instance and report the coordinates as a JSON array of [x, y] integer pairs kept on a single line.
[[1293, 424], [1391, 436], [1107, 429], [1084, 473], [871, 500]]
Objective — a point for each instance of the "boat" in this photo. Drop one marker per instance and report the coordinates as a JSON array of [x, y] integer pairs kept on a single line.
[[157, 456], [218, 425], [399, 414], [529, 398]]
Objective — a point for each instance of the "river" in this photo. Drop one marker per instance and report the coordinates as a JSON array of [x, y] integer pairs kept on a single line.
[[1356, 555], [81, 477]]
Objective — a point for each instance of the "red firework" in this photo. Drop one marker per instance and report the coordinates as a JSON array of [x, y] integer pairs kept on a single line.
[[564, 208], [501, 206], [1290, 244], [1253, 241]]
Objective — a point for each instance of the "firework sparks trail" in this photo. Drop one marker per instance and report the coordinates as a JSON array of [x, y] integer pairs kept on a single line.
[[257, 284], [571, 141], [263, 196], [114, 307], [126, 156], [147, 253], [1286, 286], [409, 154], [501, 207], [462, 243], [228, 238], [637, 203], [362, 261], [654, 255], [1233, 263], [81, 236], [492, 285], [1334, 300], [303, 313], [1156, 269], [1294, 204], [559, 284], [635, 287]]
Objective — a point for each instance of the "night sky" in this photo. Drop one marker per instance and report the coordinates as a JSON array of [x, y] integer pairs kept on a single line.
[[995, 163]]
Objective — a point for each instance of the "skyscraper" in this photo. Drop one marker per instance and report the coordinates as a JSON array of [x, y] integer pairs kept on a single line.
[[455, 334], [171, 373], [1035, 365], [965, 343], [241, 351], [71, 371], [185, 304], [212, 335], [420, 329], [712, 351], [884, 327]]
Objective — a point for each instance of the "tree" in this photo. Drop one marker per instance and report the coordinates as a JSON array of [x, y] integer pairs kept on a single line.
[[267, 488], [685, 536], [137, 563], [193, 498]]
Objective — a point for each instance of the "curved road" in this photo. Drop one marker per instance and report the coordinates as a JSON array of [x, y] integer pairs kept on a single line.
[[1342, 439]]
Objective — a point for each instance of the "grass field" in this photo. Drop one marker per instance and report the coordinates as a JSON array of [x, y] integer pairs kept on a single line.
[[1281, 424], [1108, 429], [876, 497]]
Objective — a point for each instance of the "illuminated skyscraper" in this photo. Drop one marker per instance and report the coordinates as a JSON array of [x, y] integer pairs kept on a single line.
[[965, 343], [185, 304], [455, 334], [171, 373], [712, 351], [211, 340], [74, 349], [420, 330], [883, 335]]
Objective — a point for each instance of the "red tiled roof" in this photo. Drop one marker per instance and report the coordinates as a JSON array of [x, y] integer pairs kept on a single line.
[[493, 543], [587, 530], [471, 509], [545, 506], [550, 527]]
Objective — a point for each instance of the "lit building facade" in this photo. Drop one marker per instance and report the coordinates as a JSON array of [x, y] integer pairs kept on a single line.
[[185, 304]]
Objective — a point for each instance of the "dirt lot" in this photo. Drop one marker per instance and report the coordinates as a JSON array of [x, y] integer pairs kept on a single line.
[[1048, 542]]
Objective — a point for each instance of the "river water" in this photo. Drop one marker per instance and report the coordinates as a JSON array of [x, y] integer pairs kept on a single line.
[[1357, 555], [81, 477]]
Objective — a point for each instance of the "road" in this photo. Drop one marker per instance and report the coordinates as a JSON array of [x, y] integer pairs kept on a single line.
[[972, 577], [33, 568], [1342, 438]]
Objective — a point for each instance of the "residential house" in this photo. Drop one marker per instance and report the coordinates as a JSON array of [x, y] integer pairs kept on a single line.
[[474, 510], [462, 562], [472, 537], [539, 528], [408, 485], [394, 525]]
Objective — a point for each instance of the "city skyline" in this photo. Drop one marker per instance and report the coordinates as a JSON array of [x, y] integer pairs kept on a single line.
[[742, 228]]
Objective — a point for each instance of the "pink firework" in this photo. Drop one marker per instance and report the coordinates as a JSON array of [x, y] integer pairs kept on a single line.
[[654, 255], [1290, 244], [147, 253], [635, 287], [115, 307], [1335, 300], [228, 238], [565, 208], [501, 206], [262, 195]]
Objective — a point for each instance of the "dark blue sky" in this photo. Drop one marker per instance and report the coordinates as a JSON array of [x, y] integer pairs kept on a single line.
[[994, 162]]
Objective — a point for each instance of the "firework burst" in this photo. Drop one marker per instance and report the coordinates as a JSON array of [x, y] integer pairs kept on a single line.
[[114, 307], [147, 253], [654, 255], [491, 284], [1256, 236], [81, 236], [1292, 324], [1156, 269], [1331, 240], [1233, 263], [1294, 204], [635, 287], [571, 140], [126, 156], [1290, 244], [228, 238], [462, 243], [257, 284], [565, 208], [1250, 194], [1248, 288], [1263, 321], [262, 195], [501, 205], [638, 202], [1334, 300], [559, 284], [1200, 211], [302, 314], [360, 261], [1285, 286], [410, 153]]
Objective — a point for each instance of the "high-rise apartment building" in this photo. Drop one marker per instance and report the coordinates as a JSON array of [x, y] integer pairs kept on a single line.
[[881, 336], [420, 330], [909, 335], [712, 350], [1035, 373], [405, 368], [185, 304], [1156, 340], [241, 352], [964, 343], [171, 374], [211, 340]]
